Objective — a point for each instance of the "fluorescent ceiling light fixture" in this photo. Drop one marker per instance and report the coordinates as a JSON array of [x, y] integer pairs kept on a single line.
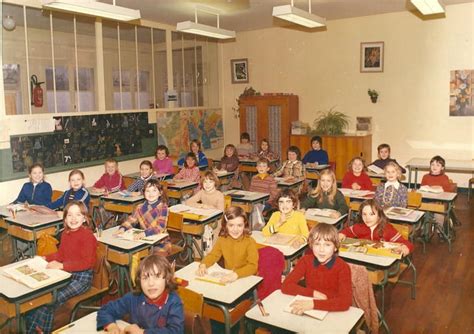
[[299, 16], [203, 29], [93, 8], [428, 7]]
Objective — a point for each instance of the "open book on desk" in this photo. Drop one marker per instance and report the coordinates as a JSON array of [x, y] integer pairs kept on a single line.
[[214, 274], [280, 239], [375, 169], [370, 247], [317, 314], [133, 232], [320, 212], [398, 212], [431, 189], [33, 273]]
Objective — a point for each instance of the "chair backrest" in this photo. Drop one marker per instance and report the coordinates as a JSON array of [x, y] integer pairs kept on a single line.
[[100, 279], [227, 202], [175, 222], [348, 200], [56, 194], [404, 230], [414, 199], [127, 181], [193, 303]]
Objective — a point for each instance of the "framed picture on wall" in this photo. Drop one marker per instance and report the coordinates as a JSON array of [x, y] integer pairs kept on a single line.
[[239, 70], [371, 57]]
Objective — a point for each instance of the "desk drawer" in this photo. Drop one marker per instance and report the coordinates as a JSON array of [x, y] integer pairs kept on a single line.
[[121, 258], [28, 235], [236, 313], [9, 308]]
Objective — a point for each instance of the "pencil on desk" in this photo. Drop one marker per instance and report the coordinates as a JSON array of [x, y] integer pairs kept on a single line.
[[209, 281]]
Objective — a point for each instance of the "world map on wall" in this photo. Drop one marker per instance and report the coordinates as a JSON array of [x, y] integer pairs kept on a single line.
[[177, 128]]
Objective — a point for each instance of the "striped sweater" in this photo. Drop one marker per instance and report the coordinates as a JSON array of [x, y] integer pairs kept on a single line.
[[264, 183]]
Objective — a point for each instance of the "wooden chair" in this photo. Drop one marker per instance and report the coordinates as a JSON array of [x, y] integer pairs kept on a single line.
[[227, 202], [175, 229], [56, 194], [193, 304], [127, 181], [414, 200], [100, 285]]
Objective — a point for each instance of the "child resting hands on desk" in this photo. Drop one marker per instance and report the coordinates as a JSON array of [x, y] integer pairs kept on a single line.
[[327, 277], [374, 225], [235, 245], [287, 220], [154, 307]]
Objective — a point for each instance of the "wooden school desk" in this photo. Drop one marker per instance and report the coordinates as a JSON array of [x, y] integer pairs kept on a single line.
[[177, 189], [20, 298], [250, 165], [313, 220], [121, 202], [121, 251], [87, 324], [447, 199], [195, 220], [415, 164], [246, 200], [223, 176], [290, 253], [160, 176], [28, 226], [224, 303], [312, 173], [334, 322], [295, 184]]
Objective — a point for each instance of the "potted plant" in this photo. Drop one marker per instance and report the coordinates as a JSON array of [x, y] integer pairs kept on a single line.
[[330, 122], [248, 91], [373, 95]]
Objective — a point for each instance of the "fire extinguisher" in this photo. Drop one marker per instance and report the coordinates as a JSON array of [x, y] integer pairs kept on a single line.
[[36, 91]]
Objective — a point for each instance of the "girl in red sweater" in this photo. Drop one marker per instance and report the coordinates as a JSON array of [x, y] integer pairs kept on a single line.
[[77, 255], [356, 178], [374, 225], [436, 177], [327, 277]]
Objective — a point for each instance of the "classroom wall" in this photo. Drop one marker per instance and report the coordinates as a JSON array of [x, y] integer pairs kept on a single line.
[[322, 68]]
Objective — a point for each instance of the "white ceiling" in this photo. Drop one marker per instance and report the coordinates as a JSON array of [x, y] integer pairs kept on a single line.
[[241, 15]]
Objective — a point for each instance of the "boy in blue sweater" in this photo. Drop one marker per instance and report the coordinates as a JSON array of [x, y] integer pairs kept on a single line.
[[76, 192], [317, 155], [153, 308], [37, 191]]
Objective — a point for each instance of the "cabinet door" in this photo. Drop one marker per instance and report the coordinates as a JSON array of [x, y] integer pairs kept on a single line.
[[248, 122], [274, 128]]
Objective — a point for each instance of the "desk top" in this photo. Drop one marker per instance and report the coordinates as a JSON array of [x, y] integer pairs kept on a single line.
[[136, 175], [357, 194], [12, 290], [87, 324], [181, 184], [123, 196], [109, 239], [317, 168], [383, 262], [334, 322], [282, 182], [253, 162], [323, 219], [32, 219], [375, 175], [412, 217], [225, 294], [223, 174], [287, 250], [451, 164], [248, 196], [443, 197], [196, 215]]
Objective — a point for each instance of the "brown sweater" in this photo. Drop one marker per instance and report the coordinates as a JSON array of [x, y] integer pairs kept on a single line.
[[213, 199], [240, 255]]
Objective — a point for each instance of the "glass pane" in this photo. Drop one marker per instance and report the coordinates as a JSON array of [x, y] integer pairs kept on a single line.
[[15, 77], [86, 60], [64, 62], [111, 65], [189, 89], [145, 67], [178, 65], [208, 79], [161, 74], [128, 60]]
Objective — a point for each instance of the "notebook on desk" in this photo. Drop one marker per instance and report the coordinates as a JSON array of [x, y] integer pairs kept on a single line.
[[317, 314]]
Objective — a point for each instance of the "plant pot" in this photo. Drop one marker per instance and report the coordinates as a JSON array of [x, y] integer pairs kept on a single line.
[[373, 99]]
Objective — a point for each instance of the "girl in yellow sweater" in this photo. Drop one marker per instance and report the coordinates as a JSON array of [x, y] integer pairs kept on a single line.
[[235, 245], [288, 220]]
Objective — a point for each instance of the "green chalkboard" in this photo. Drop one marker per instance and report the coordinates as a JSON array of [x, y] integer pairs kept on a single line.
[[80, 141]]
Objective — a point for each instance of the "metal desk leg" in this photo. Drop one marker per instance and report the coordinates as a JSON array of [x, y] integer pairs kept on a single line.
[[416, 178], [409, 177], [225, 311]]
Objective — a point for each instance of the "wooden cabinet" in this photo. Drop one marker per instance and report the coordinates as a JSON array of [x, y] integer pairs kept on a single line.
[[269, 117], [341, 149]]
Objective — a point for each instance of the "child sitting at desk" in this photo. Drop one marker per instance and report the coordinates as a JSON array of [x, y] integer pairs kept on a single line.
[[190, 171], [316, 156], [37, 190], [151, 215], [77, 255], [111, 180], [146, 174], [264, 182], [327, 277], [327, 196], [356, 178], [265, 151], [235, 245], [436, 176], [392, 192], [76, 192], [162, 163], [245, 148], [154, 306], [384, 158], [287, 220], [230, 163], [374, 225], [293, 167], [195, 148]]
